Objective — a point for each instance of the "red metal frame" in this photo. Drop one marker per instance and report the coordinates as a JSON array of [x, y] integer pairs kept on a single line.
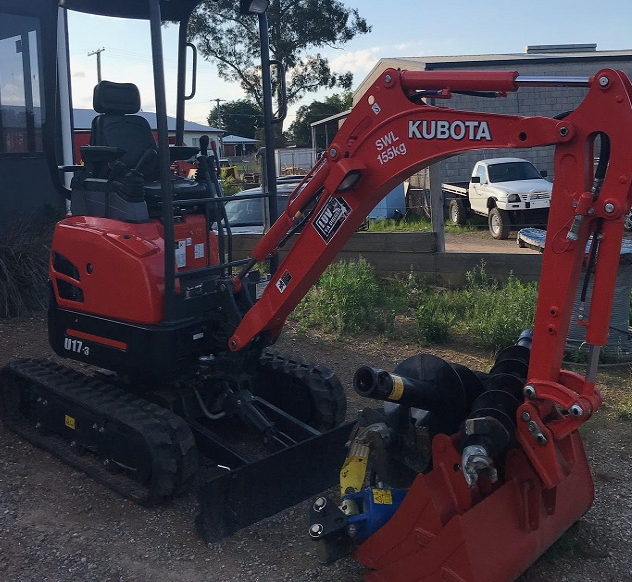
[[444, 531]]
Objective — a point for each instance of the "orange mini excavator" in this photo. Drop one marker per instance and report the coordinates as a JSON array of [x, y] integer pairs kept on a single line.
[[461, 475]]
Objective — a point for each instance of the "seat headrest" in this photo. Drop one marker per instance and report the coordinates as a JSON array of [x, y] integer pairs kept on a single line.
[[118, 98]]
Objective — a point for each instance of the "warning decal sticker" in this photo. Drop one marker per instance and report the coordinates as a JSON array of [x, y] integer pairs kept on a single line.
[[331, 217], [283, 282]]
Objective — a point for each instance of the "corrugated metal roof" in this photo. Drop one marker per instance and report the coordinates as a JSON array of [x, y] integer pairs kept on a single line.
[[238, 139], [83, 120], [452, 61], [520, 56]]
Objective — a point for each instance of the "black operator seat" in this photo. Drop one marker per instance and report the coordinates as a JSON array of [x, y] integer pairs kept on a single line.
[[122, 174], [118, 126]]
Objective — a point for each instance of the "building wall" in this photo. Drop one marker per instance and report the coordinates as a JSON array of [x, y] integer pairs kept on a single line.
[[528, 101], [192, 138], [239, 149]]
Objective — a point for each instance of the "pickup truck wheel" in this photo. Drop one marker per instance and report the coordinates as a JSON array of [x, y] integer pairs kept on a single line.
[[498, 221], [458, 212]]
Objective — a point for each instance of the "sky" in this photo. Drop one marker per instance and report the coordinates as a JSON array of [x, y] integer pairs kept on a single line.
[[400, 28]]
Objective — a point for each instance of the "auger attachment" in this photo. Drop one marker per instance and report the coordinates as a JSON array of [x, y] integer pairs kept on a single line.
[[435, 486]]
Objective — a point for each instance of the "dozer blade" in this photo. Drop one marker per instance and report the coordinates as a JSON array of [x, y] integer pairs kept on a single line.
[[233, 499], [443, 532]]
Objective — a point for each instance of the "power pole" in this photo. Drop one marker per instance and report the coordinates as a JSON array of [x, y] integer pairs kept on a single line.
[[219, 112], [98, 53]]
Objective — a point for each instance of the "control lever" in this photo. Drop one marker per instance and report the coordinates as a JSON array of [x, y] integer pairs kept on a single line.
[[204, 141]]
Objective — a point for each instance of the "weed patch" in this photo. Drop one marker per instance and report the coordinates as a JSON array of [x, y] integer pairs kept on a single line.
[[500, 312], [347, 299], [350, 299]]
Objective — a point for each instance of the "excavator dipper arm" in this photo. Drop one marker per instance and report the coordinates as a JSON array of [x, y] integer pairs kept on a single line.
[[391, 134]]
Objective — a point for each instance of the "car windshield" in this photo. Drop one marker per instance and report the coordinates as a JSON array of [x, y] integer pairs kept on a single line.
[[247, 212], [511, 171]]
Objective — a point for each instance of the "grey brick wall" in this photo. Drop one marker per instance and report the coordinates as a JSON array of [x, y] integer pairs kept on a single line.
[[527, 101]]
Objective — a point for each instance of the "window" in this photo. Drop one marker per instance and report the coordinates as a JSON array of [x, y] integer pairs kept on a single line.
[[21, 107], [481, 172], [512, 171]]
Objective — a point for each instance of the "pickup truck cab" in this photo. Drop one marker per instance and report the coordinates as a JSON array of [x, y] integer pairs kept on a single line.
[[509, 191]]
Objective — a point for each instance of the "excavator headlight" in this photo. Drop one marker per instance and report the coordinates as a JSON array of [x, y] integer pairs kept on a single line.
[[349, 180], [253, 6]]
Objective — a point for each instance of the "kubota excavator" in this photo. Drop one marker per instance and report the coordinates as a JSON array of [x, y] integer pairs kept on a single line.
[[462, 475], [140, 287]]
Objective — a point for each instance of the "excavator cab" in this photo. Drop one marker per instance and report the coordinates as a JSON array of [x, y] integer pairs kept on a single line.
[[140, 278]]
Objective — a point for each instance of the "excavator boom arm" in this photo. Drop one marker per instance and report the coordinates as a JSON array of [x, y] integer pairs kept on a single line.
[[391, 134], [388, 137]]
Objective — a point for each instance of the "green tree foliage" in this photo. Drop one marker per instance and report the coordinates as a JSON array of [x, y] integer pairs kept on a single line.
[[299, 131], [296, 28], [240, 117]]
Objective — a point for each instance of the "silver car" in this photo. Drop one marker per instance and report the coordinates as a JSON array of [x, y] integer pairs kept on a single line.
[[246, 216]]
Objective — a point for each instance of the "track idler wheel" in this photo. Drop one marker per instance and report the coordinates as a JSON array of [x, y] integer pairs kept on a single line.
[[312, 394]]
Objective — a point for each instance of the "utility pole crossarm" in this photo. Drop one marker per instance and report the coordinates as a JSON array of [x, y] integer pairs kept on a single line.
[[98, 53]]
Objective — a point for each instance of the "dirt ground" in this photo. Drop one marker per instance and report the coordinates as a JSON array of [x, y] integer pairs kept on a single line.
[[57, 525], [482, 242]]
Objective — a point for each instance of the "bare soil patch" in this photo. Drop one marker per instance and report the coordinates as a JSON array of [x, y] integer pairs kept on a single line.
[[57, 525]]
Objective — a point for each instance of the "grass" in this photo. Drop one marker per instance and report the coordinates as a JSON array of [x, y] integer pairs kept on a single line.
[[488, 312], [412, 223], [408, 223], [350, 299], [624, 408]]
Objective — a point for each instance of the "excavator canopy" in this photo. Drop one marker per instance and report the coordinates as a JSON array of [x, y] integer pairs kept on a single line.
[[169, 9]]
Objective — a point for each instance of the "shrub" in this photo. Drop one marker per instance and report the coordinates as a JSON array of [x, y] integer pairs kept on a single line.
[[436, 318], [229, 186], [501, 311], [347, 299], [24, 249]]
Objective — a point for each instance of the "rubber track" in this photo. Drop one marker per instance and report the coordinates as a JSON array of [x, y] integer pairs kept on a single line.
[[168, 439], [323, 385]]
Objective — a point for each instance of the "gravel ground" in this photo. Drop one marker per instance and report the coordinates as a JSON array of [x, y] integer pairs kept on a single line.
[[57, 525]]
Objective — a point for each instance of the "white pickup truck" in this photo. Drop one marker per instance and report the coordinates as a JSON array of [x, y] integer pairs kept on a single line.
[[509, 191]]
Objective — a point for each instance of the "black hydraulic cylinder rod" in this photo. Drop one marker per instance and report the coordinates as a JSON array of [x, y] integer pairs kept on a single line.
[[155, 23], [381, 385]]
